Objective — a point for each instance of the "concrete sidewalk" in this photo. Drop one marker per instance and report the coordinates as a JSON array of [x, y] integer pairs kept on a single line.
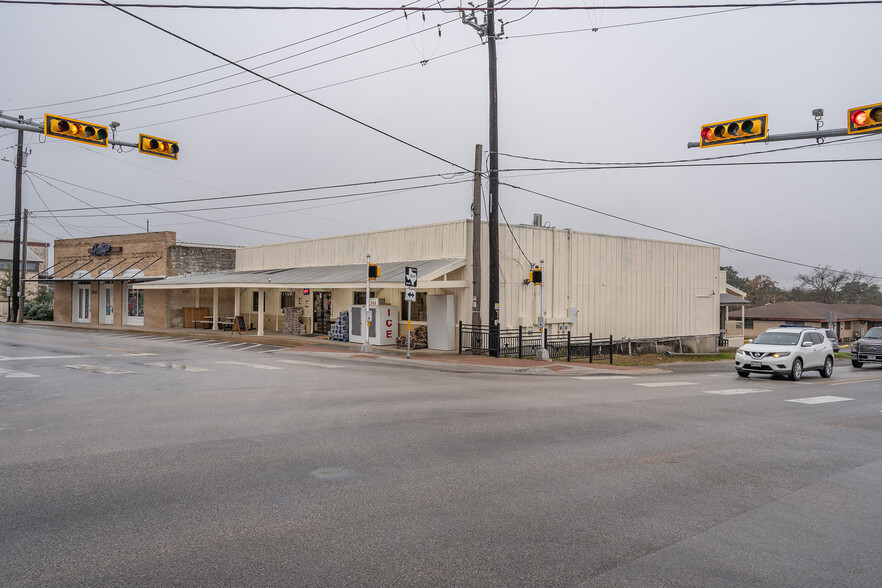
[[421, 358]]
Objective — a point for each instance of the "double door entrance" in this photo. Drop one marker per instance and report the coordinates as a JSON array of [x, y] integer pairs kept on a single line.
[[321, 312]]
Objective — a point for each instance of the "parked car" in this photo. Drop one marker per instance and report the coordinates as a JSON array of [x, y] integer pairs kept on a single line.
[[834, 340], [867, 349], [787, 351]]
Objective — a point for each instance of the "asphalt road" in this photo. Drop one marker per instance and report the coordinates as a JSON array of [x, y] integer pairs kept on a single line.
[[154, 461]]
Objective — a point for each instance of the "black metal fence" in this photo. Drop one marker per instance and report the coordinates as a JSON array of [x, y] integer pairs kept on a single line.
[[499, 342]]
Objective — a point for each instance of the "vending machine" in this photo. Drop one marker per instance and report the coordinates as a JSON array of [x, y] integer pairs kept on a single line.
[[384, 324]]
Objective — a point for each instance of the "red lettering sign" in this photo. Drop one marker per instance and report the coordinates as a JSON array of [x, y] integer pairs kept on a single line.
[[389, 334], [388, 322]]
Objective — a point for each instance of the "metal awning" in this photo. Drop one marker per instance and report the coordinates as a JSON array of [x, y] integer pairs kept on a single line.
[[329, 276], [727, 299]]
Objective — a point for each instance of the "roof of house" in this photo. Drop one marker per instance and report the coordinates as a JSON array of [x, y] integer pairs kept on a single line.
[[7, 249], [814, 311]]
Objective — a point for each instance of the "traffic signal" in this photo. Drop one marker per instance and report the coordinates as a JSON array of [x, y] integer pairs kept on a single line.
[[74, 130], [157, 146], [865, 118], [373, 271], [739, 130], [536, 275]]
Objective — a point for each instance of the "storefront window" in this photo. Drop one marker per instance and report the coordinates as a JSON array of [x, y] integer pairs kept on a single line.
[[136, 303]]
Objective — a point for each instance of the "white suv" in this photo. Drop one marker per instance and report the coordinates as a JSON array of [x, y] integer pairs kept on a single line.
[[786, 350]]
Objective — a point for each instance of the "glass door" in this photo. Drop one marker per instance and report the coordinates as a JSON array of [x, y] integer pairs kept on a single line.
[[321, 312], [81, 303], [107, 300]]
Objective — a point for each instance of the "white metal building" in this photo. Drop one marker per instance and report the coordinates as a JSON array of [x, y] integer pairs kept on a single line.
[[600, 284]]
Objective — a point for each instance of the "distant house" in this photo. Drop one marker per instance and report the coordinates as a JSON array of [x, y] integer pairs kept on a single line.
[[848, 320], [38, 254], [732, 301]]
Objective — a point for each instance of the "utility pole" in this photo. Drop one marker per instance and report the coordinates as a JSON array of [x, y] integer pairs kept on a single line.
[[16, 231], [24, 269], [493, 214], [476, 240]]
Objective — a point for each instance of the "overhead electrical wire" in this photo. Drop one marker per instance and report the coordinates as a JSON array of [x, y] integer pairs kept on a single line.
[[286, 88], [238, 196], [666, 231], [497, 9], [250, 57]]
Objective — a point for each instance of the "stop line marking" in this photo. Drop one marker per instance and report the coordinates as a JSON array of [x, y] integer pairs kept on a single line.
[[820, 399], [665, 384], [312, 363], [735, 391]]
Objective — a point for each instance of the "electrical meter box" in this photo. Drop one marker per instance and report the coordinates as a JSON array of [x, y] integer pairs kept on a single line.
[[384, 325]]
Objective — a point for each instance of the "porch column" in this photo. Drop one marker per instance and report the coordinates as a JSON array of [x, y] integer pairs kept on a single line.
[[742, 326], [214, 309], [196, 297], [260, 309], [236, 302]]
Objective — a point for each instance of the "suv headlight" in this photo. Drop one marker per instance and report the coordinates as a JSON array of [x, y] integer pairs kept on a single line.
[[780, 354]]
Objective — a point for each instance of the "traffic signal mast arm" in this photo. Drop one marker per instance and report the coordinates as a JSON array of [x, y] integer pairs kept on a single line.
[[10, 122], [799, 136]]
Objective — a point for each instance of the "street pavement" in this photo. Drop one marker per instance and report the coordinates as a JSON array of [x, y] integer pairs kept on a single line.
[[155, 460]]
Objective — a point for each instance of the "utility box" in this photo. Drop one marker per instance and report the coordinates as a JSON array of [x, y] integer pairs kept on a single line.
[[384, 324], [441, 322]]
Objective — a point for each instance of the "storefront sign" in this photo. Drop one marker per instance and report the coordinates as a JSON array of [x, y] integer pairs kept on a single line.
[[103, 249]]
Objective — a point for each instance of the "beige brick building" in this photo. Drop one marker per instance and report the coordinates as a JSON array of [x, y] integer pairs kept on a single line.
[[93, 277]]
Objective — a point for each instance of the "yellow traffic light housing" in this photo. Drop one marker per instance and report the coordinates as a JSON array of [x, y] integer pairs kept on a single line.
[[536, 276], [71, 129], [159, 147], [738, 130], [373, 271], [865, 118]]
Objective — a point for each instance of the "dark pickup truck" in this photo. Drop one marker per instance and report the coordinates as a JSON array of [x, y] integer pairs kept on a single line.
[[867, 349]]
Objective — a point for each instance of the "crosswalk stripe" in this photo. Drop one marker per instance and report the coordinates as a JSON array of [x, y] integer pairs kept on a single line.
[[735, 391], [6, 358], [598, 378], [98, 369], [820, 399], [312, 363], [237, 345], [15, 374], [273, 350], [252, 347], [665, 384], [250, 365]]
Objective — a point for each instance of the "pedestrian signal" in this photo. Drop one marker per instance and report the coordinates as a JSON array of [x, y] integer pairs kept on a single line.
[[373, 271], [536, 276], [739, 130], [74, 130], [157, 146]]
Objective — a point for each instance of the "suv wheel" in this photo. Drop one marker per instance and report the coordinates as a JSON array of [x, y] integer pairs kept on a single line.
[[856, 363], [827, 370], [796, 371]]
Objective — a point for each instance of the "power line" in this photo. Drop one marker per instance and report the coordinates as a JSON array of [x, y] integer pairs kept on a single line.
[[37, 192], [497, 9], [256, 55], [249, 195], [667, 231], [286, 88]]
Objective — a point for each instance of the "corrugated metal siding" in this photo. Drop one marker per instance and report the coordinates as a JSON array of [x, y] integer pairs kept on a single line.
[[445, 240]]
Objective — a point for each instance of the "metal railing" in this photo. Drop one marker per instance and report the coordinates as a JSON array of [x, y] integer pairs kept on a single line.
[[518, 343]]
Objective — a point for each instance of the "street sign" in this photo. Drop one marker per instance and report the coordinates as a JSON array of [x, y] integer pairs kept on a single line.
[[410, 295], [410, 277]]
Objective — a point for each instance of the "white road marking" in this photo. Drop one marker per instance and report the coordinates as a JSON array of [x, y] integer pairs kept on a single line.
[[598, 378], [7, 358], [665, 384], [251, 365], [237, 345], [735, 391], [312, 363], [252, 347], [178, 366], [218, 343], [15, 374], [98, 369], [820, 399], [270, 350]]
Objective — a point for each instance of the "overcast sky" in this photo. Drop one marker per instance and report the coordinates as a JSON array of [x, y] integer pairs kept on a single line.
[[636, 89]]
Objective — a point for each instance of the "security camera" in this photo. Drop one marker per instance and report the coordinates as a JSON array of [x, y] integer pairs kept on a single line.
[[818, 112]]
